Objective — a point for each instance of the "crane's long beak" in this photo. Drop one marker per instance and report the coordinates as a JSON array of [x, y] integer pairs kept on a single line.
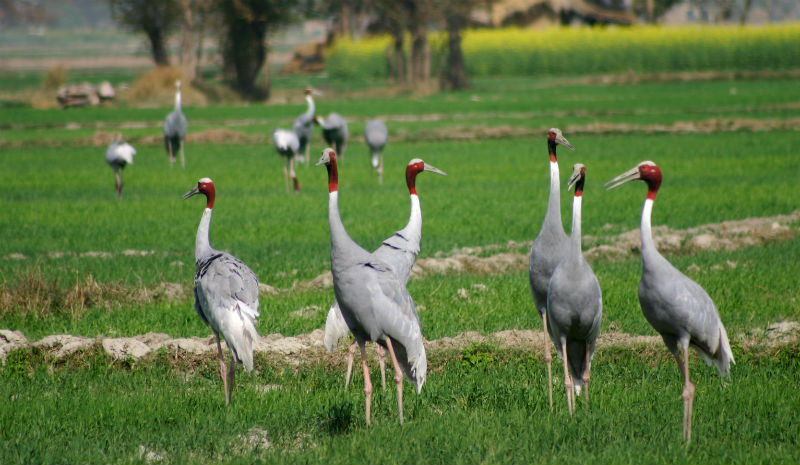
[[433, 169], [576, 175], [316, 92], [563, 141], [630, 175], [192, 192]]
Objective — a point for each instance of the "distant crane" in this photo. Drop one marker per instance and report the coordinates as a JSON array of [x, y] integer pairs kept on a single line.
[[374, 300], [287, 145], [549, 247], [399, 251], [225, 295], [575, 305], [119, 154], [175, 129], [677, 307], [334, 131], [376, 134], [304, 126]]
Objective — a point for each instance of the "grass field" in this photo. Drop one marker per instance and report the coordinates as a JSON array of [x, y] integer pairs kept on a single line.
[[73, 260]]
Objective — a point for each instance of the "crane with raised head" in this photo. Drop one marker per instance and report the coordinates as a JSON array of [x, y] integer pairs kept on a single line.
[[304, 126], [374, 301], [119, 154], [226, 295], [549, 247], [376, 135], [575, 304], [677, 307], [400, 251], [175, 129], [287, 145], [334, 131]]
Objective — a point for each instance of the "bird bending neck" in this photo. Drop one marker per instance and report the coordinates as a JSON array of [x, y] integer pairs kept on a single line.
[[178, 100], [343, 248], [310, 110], [202, 247]]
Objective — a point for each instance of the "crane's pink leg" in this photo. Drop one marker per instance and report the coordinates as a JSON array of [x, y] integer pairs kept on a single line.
[[118, 180], [231, 378], [380, 170], [398, 378], [183, 160], [223, 371], [351, 353], [567, 379], [367, 382], [171, 155], [382, 363], [585, 377], [688, 391], [286, 175], [548, 359], [294, 176]]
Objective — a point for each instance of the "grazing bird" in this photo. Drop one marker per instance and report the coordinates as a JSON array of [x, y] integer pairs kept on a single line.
[[374, 300], [399, 251], [287, 145], [575, 305], [175, 129], [334, 131], [549, 247], [225, 295], [376, 134], [304, 126], [677, 307], [119, 154]]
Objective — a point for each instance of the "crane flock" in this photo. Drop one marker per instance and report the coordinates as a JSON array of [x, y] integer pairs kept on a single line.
[[371, 299]]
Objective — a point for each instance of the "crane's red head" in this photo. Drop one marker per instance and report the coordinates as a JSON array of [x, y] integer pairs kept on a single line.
[[416, 166], [204, 186], [554, 137], [646, 171], [307, 91], [329, 160]]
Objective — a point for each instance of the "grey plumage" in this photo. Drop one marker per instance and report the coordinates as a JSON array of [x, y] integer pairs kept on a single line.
[[287, 145], [226, 295], [303, 126], [175, 129], [376, 135], [549, 247], [399, 251], [119, 154], [334, 131], [374, 301], [574, 305], [677, 307]]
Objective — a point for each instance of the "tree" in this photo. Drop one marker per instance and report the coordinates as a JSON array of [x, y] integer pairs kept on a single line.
[[456, 15], [195, 18], [418, 13], [246, 24], [155, 18], [393, 19]]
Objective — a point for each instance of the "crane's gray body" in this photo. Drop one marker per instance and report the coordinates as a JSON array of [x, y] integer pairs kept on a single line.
[[286, 142], [119, 154], [374, 301], [574, 305], [375, 135], [679, 308], [175, 127], [334, 131], [303, 126], [226, 295]]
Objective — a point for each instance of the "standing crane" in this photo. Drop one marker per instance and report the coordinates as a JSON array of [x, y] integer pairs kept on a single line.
[[575, 305], [175, 129], [549, 247], [334, 131], [287, 144], [374, 301], [119, 154], [399, 251], [677, 307], [304, 126], [225, 295], [376, 134]]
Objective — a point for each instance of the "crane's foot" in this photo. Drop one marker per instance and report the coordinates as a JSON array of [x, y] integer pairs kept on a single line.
[[688, 401]]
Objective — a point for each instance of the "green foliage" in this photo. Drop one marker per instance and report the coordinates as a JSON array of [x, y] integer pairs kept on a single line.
[[477, 356], [577, 51]]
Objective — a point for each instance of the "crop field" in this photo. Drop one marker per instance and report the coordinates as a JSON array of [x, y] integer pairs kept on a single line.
[[76, 260]]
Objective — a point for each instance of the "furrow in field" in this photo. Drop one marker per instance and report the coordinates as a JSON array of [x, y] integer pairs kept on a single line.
[[304, 348]]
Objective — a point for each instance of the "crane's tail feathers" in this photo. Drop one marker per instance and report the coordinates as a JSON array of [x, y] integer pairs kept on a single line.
[[576, 359], [724, 353], [413, 360], [335, 327], [242, 335]]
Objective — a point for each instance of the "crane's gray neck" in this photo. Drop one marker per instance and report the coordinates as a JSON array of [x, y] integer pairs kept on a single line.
[[344, 250], [648, 245], [552, 217], [413, 230], [310, 110], [202, 248], [575, 238], [178, 100]]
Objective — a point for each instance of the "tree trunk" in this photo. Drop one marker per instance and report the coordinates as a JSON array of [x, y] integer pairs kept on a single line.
[[189, 59], [454, 76], [157, 46], [399, 58], [745, 12], [246, 54], [419, 71]]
